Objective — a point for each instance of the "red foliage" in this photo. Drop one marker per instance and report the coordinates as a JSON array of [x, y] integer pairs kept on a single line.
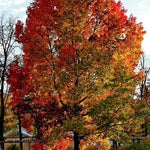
[[17, 77], [67, 57], [37, 146], [27, 123], [19, 30], [63, 144]]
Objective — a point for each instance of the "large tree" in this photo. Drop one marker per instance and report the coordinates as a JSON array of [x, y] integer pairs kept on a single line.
[[78, 67]]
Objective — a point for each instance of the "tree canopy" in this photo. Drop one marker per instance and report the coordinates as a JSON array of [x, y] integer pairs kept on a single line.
[[78, 71]]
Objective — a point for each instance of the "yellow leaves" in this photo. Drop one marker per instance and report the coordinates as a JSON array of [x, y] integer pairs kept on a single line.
[[90, 128], [10, 121], [95, 141], [11, 124], [87, 119], [8, 117], [125, 59], [128, 111]]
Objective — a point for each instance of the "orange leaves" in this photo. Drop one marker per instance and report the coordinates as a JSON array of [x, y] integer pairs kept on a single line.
[[63, 144], [107, 93], [140, 75], [107, 19]]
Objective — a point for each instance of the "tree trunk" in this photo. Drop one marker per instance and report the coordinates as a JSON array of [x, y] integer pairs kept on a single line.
[[2, 118], [20, 133], [1, 132], [76, 141], [115, 145], [2, 106]]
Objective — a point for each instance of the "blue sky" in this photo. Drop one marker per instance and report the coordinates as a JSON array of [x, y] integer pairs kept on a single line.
[[139, 8]]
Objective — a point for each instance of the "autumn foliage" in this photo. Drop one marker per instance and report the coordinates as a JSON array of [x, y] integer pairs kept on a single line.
[[37, 146], [78, 67]]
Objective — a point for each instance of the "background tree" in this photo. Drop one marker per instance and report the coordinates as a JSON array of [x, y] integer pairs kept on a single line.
[[143, 91], [78, 67], [10, 120], [143, 95], [7, 49]]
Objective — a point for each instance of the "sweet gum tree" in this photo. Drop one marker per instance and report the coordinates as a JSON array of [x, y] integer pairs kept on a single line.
[[78, 68]]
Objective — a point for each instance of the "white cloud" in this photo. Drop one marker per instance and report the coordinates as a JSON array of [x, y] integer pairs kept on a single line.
[[16, 8], [18, 2], [146, 23], [143, 4], [19, 10], [5, 5]]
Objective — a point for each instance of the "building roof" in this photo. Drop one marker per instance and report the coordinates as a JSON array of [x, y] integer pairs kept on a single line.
[[14, 132]]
